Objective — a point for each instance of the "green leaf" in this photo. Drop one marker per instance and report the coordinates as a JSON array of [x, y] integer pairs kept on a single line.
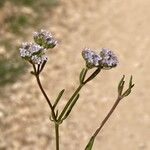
[[128, 91], [121, 85], [89, 146], [93, 75], [81, 75], [121, 82], [71, 106], [58, 98], [130, 83]]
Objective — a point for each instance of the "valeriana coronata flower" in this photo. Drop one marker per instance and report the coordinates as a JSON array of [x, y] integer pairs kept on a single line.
[[92, 59], [109, 59], [105, 60], [32, 52], [45, 39]]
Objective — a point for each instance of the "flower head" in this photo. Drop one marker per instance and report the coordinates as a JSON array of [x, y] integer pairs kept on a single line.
[[32, 52], [105, 60], [45, 39], [92, 59], [109, 59]]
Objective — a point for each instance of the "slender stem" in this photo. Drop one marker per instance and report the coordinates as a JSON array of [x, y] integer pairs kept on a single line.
[[57, 135], [36, 73], [107, 116], [43, 91], [46, 97], [70, 100]]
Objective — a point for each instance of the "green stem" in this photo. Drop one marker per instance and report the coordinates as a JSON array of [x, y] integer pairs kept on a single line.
[[70, 100], [57, 135]]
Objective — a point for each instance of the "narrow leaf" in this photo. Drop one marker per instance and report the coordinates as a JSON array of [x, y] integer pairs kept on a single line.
[[58, 98], [71, 106], [84, 74], [90, 144], [126, 93], [130, 83], [93, 75], [81, 75], [120, 89], [121, 84]]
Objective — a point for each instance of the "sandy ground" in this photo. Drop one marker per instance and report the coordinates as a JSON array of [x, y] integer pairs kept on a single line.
[[122, 26]]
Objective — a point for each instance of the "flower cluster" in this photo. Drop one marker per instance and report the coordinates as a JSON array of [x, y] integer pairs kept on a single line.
[[91, 58], [35, 52], [105, 60], [45, 39]]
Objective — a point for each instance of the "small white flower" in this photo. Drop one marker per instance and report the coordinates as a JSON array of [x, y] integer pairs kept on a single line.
[[33, 53], [29, 49], [109, 59], [92, 59]]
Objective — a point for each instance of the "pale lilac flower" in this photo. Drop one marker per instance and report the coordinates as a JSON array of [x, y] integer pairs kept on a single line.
[[33, 52], [109, 59], [45, 39], [28, 49], [92, 59]]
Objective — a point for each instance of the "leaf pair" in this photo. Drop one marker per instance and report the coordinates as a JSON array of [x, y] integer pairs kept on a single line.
[[70, 107], [67, 112], [92, 76], [122, 94]]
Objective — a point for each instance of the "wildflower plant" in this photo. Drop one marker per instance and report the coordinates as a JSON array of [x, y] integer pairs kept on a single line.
[[35, 54]]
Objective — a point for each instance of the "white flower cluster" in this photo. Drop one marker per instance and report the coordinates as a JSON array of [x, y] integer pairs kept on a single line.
[[106, 59], [35, 52], [91, 58], [109, 59], [28, 49], [45, 39]]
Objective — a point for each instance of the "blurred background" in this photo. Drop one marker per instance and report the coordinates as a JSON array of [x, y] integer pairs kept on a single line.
[[122, 26]]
